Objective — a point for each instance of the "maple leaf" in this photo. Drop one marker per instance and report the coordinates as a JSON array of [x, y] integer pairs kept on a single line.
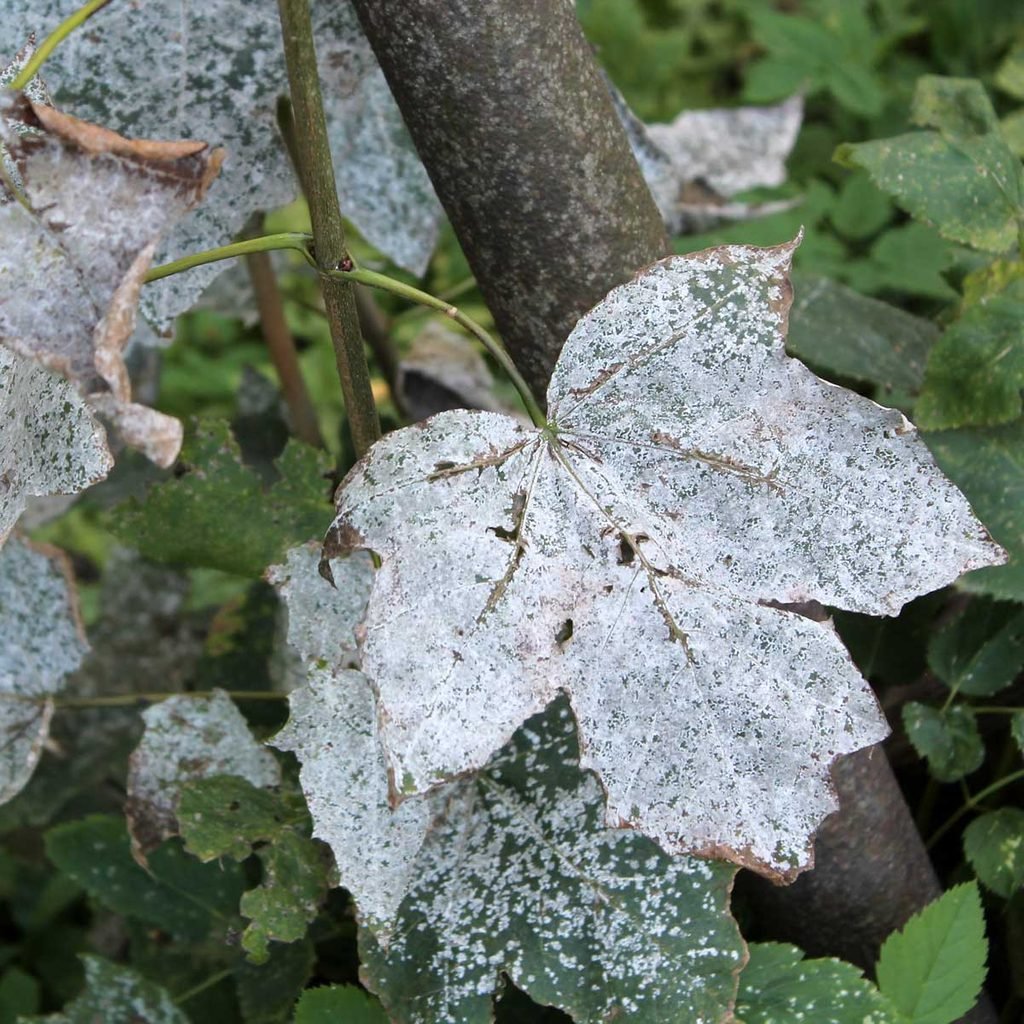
[[637, 554], [215, 71], [509, 870], [77, 249], [42, 643], [693, 165]]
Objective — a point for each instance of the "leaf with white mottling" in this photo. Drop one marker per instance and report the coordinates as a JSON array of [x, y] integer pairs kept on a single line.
[[695, 163], [42, 643], [116, 994], [634, 554], [215, 71], [35, 90], [187, 738], [50, 442], [75, 254]]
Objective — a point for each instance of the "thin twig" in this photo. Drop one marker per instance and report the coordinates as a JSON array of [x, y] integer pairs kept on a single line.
[[54, 39]]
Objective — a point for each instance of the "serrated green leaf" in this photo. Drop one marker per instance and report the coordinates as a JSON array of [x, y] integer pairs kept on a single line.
[[178, 894], [862, 209], [911, 258], [779, 987], [933, 969], [949, 740], [976, 370], [267, 992], [982, 650], [963, 178], [987, 464], [114, 994], [332, 1004], [842, 332], [217, 513], [227, 816], [994, 846], [991, 279]]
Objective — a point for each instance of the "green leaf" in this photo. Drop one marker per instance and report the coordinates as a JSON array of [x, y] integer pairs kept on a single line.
[[976, 371], [861, 208], [948, 739], [982, 650], [178, 894], [1017, 729], [1010, 74], [911, 258], [994, 845], [217, 513], [332, 1004], [994, 277], [227, 816], [19, 995], [842, 332], [987, 464], [962, 178], [114, 994], [778, 986], [267, 991], [933, 969]]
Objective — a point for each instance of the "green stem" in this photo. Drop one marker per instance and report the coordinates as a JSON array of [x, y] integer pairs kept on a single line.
[[121, 700], [213, 979], [496, 349], [54, 39], [980, 797], [286, 240], [316, 173]]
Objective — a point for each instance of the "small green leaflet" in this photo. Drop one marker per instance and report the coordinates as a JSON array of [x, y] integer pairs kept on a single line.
[[115, 994], [948, 739], [218, 514], [338, 1004], [981, 651], [933, 970], [779, 987], [994, 845], [959, 175]]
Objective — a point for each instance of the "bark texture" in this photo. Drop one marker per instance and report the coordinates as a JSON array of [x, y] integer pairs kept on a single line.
[[511, 117], [517, 131]]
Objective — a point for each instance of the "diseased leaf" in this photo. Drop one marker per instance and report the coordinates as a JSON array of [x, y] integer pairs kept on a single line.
[[778, 987], [932, 970], [71, 269], [994, 847], [976, 371], [50, 442], [42, 643], [635, 553], [982, 650], [986, 464], [515, 874], [948, 738], [116, 994], [693, 165], [36, 91], [330, 1004], [228, 816], [176, 894], [518, 876], [188, 738], [840, 331], [215, 71], [961, 177], [218, 514]]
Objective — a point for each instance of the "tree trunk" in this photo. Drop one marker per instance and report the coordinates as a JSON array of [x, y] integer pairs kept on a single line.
[[512, 119]]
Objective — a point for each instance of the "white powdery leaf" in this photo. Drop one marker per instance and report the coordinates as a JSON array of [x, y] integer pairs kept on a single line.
[[332, 729], [635, 553], [74, 258], [49, 444], [693, 165], [188, 738], [42, 644], [215, 71]]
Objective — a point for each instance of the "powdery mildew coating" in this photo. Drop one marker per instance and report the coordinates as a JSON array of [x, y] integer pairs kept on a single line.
[[214, 71], [50, 443], [633, 555], [519, 876], [42, 644], [188, 738], [116, 993]]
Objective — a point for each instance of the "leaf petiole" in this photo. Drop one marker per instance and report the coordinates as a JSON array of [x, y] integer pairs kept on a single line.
[[265, 243], [54, 39], [372, 279]]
